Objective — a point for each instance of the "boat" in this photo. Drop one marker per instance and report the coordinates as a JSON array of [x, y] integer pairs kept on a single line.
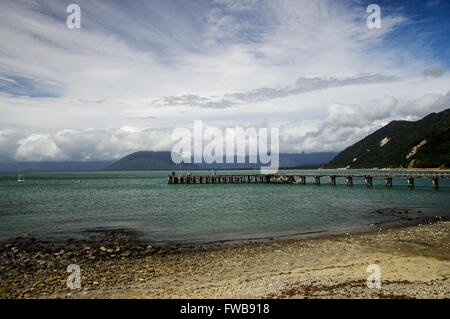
[[20, 178]]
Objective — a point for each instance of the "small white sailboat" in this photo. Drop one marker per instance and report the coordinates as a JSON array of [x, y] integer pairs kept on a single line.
[[20, 178]]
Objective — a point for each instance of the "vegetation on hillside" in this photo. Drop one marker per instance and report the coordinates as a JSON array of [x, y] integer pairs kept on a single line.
[[435, 152], [390, 145]]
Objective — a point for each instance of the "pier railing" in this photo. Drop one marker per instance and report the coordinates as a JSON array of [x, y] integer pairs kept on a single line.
[[300, 178]]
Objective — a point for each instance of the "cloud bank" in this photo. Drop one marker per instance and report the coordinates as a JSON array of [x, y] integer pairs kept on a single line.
[[136, 70], [343, 125]]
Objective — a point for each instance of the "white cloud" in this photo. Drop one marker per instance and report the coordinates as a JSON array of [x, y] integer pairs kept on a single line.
[[311, 67], [8, 144], [302, 85], [434, 71], [38, 147], [383, 109], [344, 116], [343, 126], [426, 104], [90, 144]]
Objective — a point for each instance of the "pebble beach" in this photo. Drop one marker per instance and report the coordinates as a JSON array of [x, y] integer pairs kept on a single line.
[[414, 263]]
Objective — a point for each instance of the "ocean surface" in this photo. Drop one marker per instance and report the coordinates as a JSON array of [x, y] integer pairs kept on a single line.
[[61, 205]]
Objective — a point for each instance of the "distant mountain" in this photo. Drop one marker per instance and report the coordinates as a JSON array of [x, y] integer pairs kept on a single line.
[[54, 166], [149, 160], [142, 161], [420, 144]]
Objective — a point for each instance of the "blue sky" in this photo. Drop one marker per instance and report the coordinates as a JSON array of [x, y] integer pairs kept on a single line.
[[136, 70], [426, 35]]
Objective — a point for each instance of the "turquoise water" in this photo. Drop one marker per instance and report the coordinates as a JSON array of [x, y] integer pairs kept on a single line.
[[78, 204]]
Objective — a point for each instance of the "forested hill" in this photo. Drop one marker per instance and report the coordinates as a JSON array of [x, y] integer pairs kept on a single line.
[[421, 144]]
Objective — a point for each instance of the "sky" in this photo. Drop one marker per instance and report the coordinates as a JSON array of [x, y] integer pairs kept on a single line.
[[136, 70]]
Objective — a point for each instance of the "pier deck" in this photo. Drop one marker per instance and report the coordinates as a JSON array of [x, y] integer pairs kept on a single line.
[[300, 178]]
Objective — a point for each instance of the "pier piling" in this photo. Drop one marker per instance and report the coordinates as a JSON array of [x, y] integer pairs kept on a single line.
[[296, 178], [388, 181], [349, 180], [435, 182], [332, 180]]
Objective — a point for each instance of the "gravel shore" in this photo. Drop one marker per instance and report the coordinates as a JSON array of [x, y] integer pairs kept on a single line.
[[414, 263]]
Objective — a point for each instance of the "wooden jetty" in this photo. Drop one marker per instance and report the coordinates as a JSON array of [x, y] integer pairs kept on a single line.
[[300, 178]]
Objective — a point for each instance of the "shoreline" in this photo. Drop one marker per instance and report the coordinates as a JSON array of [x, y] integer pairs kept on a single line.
[[324, 267], [320, 234], [98, 235]]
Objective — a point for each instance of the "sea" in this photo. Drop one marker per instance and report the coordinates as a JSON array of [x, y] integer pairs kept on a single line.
[[79, 205]]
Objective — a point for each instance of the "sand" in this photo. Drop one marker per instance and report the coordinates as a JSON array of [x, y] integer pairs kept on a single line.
[[414, 262]]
